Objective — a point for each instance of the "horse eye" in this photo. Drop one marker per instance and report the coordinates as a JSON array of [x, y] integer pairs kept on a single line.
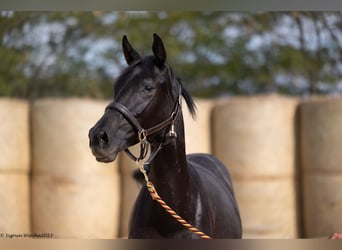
[[148, 87]]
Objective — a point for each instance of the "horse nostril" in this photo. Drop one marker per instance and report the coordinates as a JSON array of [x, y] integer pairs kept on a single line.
[[102, 138]]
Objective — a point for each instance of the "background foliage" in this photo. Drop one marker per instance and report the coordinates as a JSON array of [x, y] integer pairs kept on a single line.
[[216, 53]]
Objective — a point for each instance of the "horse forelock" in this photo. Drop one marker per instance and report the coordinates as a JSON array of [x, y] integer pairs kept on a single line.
[[142, 68]]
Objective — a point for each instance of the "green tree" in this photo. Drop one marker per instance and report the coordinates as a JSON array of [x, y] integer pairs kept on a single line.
[[216, 53]]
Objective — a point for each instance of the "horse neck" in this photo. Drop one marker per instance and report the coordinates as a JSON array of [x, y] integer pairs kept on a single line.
[[169, 171]]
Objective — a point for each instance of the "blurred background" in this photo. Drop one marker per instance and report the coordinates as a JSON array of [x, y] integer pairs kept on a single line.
[[216, 53], [267, 87]]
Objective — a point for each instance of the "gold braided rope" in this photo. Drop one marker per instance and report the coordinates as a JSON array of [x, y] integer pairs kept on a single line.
[[156, 197]]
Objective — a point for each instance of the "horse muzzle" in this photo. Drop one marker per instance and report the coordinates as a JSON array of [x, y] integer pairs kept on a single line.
[[101, 148]]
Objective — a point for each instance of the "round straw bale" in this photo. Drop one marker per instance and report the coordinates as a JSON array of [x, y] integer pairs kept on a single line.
[[15, 203], [321, 132], [267, 207], [256, 135], [60, 136], [197, 130], [86, 207], [321, 147], [72, 194], [255, 138], [129, 189], [14, 134], [322, 204]]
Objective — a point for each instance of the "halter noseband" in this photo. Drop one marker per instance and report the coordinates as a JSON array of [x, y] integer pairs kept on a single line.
[[144, 133]]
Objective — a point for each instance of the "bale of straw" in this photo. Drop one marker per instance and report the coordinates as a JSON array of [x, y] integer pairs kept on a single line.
[[255, 139], [14, 166], [60, 136], [129, 189], [72, 194], [198, 129], [321, 147], [267, 207], [14, 134], [83, 207], [15, 203]]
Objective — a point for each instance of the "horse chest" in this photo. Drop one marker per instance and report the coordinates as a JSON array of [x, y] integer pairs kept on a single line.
[[150, 220]]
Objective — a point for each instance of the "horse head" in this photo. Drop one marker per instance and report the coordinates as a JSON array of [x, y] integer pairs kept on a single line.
[[145, 94]]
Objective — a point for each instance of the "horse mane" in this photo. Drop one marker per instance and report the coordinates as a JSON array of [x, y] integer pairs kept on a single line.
[[188, 99]]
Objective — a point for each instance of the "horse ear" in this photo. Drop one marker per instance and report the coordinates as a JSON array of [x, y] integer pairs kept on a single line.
[[131, 55], [158, 50]]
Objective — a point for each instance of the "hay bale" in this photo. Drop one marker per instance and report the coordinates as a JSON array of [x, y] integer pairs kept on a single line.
[[198, 130], [84, 207], [73, 195], [255, 138], [60, 136], [14, 166], [321, 146], [15, 203], [267, 207], [129, 189], [14, 134], [322, 204]]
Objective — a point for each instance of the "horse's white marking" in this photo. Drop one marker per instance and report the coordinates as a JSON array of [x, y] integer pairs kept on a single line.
[[198, 210]]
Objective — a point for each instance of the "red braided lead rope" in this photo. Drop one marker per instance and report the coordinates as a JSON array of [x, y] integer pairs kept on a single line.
[[156, 197]]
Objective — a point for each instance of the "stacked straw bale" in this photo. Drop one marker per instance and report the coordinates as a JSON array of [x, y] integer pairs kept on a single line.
[[255, 138], [73, 196], [129, 189], [197, 129], [321, 164], [14, 166]]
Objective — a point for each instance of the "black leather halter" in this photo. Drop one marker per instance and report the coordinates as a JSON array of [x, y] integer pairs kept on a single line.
[[144, 133]]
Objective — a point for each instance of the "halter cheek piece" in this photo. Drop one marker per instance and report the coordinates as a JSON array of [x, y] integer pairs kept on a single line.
[[143, 134]]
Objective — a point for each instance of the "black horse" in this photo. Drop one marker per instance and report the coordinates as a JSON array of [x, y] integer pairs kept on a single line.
[[197, 186]]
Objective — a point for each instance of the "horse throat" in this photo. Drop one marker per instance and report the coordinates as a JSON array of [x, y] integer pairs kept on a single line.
[[169, 171]]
